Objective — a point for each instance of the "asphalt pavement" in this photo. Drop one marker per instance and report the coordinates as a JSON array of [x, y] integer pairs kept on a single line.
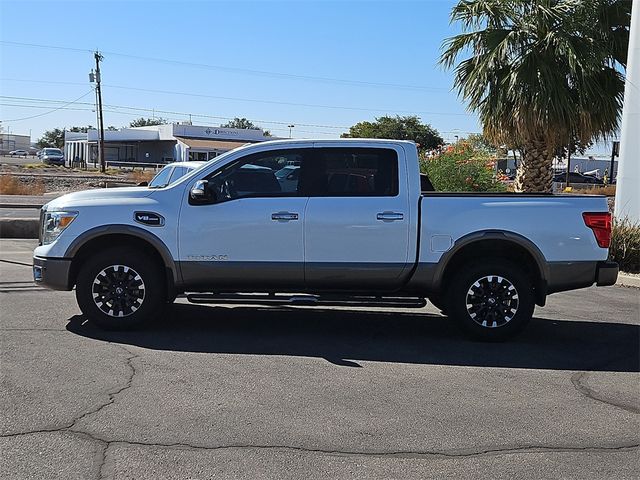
[[244, 392]]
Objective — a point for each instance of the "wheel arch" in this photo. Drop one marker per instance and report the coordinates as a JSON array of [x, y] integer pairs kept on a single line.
[[122, 235], [502, 244]]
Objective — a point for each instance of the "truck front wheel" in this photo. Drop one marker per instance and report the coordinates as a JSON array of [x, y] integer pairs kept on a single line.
[[119, 288], [492, 300]]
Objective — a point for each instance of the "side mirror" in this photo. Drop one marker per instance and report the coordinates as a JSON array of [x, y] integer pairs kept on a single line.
[[143, 184], [200, 192]]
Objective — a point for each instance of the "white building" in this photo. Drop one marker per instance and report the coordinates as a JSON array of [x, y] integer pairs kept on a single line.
[[157, 144], [11, 141]]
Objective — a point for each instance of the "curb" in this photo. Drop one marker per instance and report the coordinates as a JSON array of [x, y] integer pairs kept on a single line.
[[19, 227], [628, 280]]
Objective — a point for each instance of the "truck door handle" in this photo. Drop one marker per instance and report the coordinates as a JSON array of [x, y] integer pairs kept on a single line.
[[284, 216], [390, 216]]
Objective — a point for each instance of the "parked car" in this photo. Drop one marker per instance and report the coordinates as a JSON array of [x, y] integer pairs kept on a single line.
[[19, 153], [227, 233], [288, 178], [52, 156], [575, 177], [172, 172]]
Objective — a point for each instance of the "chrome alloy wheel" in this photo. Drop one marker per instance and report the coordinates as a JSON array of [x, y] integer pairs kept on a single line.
[[118, 291], [492, 301]]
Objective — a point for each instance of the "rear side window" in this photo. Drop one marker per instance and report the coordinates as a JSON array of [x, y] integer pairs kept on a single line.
[[352, 172]]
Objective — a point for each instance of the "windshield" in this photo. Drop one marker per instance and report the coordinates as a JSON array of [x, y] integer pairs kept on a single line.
[[162, 178], [52, 150]]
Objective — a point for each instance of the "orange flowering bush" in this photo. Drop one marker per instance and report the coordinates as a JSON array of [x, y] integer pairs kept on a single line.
[[461, 168]]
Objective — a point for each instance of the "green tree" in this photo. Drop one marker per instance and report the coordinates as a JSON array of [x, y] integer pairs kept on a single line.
[[145, 122], [246, 124], [397, 128], [51, 138], [478, 142], [540, 73]]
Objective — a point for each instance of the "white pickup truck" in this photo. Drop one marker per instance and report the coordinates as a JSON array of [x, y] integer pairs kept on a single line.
[[340, 222]]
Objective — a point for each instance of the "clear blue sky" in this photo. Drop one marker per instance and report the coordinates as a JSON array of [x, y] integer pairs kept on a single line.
[[365, 59]]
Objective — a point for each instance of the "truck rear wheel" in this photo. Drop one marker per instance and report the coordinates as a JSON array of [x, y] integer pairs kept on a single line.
[[492, 300], [119, 288]]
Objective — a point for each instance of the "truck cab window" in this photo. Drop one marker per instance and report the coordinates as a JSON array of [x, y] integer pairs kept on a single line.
[[353, 172], [269, 174]]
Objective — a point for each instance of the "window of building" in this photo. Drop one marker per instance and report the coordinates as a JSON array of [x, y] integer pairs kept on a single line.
[[197, 156]]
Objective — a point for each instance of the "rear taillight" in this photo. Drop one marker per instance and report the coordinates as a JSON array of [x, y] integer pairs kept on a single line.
[[600, 223]]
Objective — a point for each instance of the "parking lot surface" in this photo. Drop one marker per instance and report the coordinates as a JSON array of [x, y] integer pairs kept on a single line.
[[243, 392]]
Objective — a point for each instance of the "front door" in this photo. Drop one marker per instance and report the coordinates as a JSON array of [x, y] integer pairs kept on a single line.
[[251, 234]]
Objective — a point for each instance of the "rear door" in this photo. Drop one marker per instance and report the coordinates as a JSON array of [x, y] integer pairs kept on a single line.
[[356, 230]]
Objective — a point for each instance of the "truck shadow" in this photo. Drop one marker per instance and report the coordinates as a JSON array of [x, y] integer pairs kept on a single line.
[[346, 337]]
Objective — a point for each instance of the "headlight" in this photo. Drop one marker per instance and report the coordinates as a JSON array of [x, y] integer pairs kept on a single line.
[[54, 224]]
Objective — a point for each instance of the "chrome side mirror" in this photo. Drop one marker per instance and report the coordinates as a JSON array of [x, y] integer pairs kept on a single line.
[[201, 193], [199, 190]]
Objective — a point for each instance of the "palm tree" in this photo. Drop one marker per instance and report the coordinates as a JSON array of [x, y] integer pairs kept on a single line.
[[541, 73]]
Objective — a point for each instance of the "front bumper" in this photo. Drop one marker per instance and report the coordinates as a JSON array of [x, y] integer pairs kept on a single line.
[[606, 273], [53, 273]]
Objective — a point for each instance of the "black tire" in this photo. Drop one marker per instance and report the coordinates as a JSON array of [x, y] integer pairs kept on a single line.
[[119, 288], [492, 299]]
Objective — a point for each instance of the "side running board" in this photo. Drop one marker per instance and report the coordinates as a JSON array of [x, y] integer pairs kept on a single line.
[[305, 300]]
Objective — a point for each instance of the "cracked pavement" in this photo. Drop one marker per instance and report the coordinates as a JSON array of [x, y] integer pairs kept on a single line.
[[217, 392]]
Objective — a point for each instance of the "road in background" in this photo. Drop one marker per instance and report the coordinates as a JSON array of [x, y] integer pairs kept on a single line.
[[19, 212], [246, 392]]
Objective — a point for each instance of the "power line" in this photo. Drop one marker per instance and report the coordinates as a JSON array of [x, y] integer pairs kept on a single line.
[[51, 111], [171, 119], [271, 102], [244, 71], [183, 114]]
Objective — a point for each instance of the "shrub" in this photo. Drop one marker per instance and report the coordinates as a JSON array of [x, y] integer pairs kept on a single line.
[[608, 190], [462, 169], [625, 245]]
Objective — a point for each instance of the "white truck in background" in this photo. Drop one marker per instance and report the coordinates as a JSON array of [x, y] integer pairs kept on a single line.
[[348, 224]]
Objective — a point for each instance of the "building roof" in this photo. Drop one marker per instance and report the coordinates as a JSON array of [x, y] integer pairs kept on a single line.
[[212, 144]]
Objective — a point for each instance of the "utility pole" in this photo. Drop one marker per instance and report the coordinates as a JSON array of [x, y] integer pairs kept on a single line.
[[568, 183], [615, 151], [98, 57]]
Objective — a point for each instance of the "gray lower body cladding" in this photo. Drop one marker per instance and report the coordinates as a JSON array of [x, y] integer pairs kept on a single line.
[[296, 276], [565, 276], [53, 273]]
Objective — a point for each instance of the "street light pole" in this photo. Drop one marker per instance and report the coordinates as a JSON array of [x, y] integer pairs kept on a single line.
[[290, 127]]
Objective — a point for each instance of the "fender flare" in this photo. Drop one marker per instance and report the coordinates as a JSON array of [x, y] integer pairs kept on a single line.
[[471, 238], [130, 230]]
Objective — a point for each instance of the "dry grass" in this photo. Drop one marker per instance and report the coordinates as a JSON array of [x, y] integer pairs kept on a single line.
[[9, 185], [141, 175], [608, 190]]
